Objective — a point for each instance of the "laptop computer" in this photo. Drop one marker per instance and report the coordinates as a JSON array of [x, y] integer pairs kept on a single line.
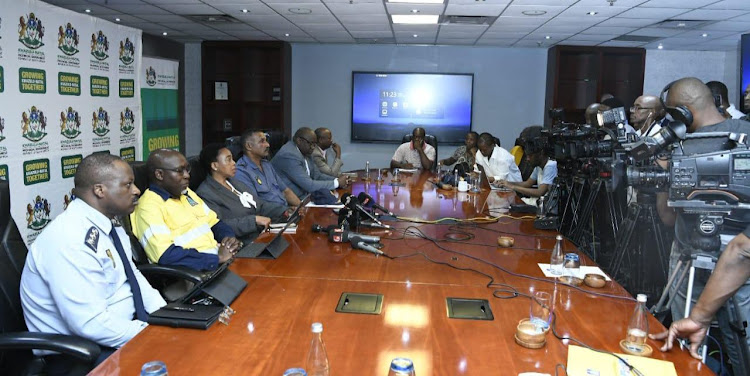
[[277, 245]]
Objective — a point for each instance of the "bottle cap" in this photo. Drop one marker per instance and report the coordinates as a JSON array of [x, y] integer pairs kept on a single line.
[[295, 372], [559, 237], [317, 327], [641, 298], [402, 365]]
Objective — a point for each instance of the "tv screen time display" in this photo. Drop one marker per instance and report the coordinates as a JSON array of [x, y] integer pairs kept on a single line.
[[385, 106]]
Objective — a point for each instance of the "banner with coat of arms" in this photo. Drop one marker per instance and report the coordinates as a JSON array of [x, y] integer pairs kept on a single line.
[[69, 87], [161, 121]]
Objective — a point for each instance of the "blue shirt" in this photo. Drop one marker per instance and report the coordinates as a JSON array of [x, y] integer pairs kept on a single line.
[[266, 184]]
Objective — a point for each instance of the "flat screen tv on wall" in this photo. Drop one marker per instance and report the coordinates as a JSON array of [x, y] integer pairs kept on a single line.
[[386, 105], [745, 74]]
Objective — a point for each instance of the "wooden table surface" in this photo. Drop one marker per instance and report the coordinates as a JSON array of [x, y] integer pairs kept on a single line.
[[271, 330]]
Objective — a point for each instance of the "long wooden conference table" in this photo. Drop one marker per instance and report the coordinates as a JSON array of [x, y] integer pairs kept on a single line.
[[270, 331]]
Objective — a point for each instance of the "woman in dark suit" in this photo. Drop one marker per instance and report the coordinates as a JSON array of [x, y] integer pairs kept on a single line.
[[229, 198]]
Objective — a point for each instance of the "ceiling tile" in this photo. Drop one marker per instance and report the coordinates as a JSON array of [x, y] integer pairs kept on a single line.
[[236, 9], [602, 12], [158, 2], [561, 29], [269, 2], [64, 3], [504, 35], [369, 27], [652, 13], [356, 8], [486, 2], [406, 40], [544, 2], [619, 43], [190, 9], [620, 3], [543, 37], [415, 28], [137, 9], [560, 20], [336, 40], [495, 42], [712, 14], [678, 4], [730, 4], [328, 34], [458, 34], [456, 41], [593, 37], [369, 19], [106, 2], [322, 28], [164, 18], [124, 18], [728, 26], [698, 34], [312, 19], [96, 10], [577, 43], [463, 28], [531, 44], [656, 32], [421, 34], [401, 8], [523, 20], [371, 34], [237, 27], [289, 8], [517, 28], [476, 9], [608, 30], [517, 10], [629, 22], [678, 41]]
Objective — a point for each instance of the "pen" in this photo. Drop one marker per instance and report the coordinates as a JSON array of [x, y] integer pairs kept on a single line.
[[181, 309]]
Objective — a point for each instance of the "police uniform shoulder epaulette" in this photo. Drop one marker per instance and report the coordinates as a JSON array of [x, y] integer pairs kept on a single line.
[[92, 238]]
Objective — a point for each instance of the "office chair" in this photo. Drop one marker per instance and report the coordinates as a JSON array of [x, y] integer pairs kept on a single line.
[[430, 140], [15, 339]]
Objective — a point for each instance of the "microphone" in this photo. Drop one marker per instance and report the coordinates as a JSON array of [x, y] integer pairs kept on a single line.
[[357, 243], [327, 229], [353, 203], [374, 224], [368, 201], [343, 236]]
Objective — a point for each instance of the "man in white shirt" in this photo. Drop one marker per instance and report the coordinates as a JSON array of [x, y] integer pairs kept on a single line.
[[496, 162], [545, 169], [79, 278], [721, 96], [414, 154], [646, 115]]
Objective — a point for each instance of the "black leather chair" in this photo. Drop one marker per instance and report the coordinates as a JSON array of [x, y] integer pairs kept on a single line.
[[430, 140], [15, 339], [197, 172]]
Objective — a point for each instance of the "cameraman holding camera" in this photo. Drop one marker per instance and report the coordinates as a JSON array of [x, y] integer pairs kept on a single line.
[[691, 101], [545, 169]]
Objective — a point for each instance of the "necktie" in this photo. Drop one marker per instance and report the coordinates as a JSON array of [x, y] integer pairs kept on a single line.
[[140, 310]]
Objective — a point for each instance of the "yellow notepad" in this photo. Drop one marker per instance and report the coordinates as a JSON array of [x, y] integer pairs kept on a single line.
[[585, 362]]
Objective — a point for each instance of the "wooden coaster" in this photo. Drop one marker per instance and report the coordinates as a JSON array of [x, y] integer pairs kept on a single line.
[[530, 345], [647, 350], [573, 281]]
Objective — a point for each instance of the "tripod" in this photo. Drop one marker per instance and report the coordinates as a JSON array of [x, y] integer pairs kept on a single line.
[[638, 274], [686, 266]]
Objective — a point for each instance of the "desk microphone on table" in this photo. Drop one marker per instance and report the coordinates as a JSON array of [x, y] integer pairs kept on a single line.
[[318, 228], [367, 201], [343, 236], [353, 203], [358, 243]]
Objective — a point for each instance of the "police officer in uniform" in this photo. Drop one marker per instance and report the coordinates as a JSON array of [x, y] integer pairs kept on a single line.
[[79, 278]]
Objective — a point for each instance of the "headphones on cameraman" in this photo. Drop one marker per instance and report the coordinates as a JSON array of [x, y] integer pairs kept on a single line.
[[679, 113]]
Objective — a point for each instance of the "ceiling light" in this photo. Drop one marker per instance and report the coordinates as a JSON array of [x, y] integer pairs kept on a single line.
[[417, 1], [164, 33], [245, 11], [415, 35], [300, 10], [704, 35], [681, 24], [534, 12], [286, 34], [592, 13], [415, 19], [117, 19], [547, 37], [661, 46], [415, 10], [87, 10]]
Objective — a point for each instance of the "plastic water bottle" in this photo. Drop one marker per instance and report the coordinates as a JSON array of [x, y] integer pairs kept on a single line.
[[638, 327], [455, 178], [557, 258], [154, 368], [317, 359]]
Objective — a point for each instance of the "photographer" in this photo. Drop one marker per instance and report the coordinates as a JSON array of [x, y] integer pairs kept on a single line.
[[697, 100], [545, 169]]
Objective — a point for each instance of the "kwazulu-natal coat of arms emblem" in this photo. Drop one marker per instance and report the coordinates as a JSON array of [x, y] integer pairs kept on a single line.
[[100, 122], [33, 124], [2, 128], [127, 52], [99, 46], [30, 31], [67, 39], [151, 76], [37, 213], [70, 123], [67, 199], [127, 120]]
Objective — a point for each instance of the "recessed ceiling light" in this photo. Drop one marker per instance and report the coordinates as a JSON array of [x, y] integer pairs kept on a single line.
[[300, 10], [592, 13], [681, 24], [415, 19], [87, 10], [415, 10], [704, 35], [117, 19], [415, 35], [417, 1], [547, 37], [245, 10], [661, 46], [534, 12], [286, 34], [164, 33]]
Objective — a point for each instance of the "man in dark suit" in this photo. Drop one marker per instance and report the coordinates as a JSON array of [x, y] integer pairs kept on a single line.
[[294, 164]]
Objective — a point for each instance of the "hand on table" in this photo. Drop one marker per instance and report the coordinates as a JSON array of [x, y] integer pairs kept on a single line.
[[688, 328], [228, 247]]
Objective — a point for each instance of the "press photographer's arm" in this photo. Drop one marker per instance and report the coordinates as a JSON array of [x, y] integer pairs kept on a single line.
[[732, 270]]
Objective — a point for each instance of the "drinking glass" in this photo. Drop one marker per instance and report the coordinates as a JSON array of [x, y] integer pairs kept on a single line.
[[540, 311], [154, 368]]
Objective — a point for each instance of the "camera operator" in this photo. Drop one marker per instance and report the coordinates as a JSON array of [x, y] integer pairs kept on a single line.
[[696, 98], [647, 115], [545, 169]]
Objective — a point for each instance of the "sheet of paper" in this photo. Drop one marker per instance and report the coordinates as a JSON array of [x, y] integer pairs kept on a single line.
[[581, 272], [582, 361], [408, 169], [335, 206]]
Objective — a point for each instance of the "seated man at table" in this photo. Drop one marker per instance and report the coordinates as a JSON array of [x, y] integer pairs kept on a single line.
[[258, 174], [79, 278], [173, 224], [545, 169], [414, 154], [299, 173], [495, 162], [464, 153], [321, 151]]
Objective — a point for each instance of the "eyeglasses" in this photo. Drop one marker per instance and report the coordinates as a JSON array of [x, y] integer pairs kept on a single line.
[[638, 108], [180, 170], [309, 142]]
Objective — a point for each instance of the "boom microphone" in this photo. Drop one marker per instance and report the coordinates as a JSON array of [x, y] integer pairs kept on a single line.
[[367, 201], [358, 243], [374, 224], [342, 236]]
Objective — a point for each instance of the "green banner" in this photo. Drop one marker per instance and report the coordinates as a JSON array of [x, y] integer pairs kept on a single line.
[[127, 88], [35, 171], [160, 120], [70, 165], [128, 154], [99, 86], [68, 83], [32, 81], [2, 81], [4, 172]]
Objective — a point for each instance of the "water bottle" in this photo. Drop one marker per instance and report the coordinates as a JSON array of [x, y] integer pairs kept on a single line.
[[455, 178], [638, 327], [154, 368], [317, 360], [401, 367], [540, 204], [367, 170], [556, 259]]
